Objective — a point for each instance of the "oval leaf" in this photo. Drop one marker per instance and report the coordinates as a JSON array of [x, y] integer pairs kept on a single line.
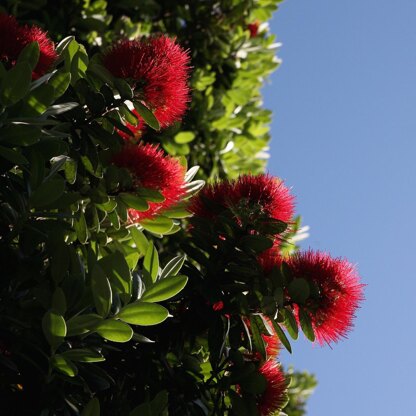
[[165, 289], [115, 331], [54, 328], [143, 313]]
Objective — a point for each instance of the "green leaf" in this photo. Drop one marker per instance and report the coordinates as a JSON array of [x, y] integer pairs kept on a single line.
[[139, 239], [257, 243], [179, 210], [60, 82], [282, 336], [118, 271], [64, 365], [299, 290], [79, 64], [82, 324], [81, 229], [147, 115], [30, 55], [13, 156], [291, 324], [159, 225], [134, 201], [83, 355], [165, 289], [184, 137], [92, 408], [256, 329], [54, 328], [15, 84], [38, 101], [123, 87], [20, 135], [151, 262], [150, 195], [255, 384], [47, 193], [143, 313], [101, 291], [173, 266], [114, 330], [306, 324]]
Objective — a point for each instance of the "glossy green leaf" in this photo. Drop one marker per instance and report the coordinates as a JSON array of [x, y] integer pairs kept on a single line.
[[64, 365], [83, 324], [299, 290], [143, 313], [184, 137], [30, 54], [173, 267], [15, 84], [60, 82], [140, 239], [114, 330], [151, 262], [147, 115], [101, 291], [165, 289], [306, 324], [134, 201], [54, 328], [83, 355], [159, 225], [13, 156], [282, 336], [92, 408], [291, 323]]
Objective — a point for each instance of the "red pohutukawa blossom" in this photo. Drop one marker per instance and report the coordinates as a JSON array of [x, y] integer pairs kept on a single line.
[[263, 192], [270, 258], [340, 292], [157, 69], [150, 168], [13, 38], [253, 28], [275, 396], [271, 341]]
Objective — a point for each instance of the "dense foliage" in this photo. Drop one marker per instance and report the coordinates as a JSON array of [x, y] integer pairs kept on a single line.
[[129, 287]]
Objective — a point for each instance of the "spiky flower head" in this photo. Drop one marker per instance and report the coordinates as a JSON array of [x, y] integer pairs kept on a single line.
[[263, 193], [157, 69], [253, 28], [274, 397], [150, 168], [13, 38], [339, 293]]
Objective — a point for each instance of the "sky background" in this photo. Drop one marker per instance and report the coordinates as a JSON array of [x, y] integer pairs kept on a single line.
[[343, 137]]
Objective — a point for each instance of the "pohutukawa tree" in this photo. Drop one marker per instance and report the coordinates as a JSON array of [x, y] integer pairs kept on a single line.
[[128, 287]]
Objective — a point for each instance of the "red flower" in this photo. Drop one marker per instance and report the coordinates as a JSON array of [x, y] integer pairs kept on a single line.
[[340, 292], [151, 168], [270, 258], [265, 193], [274, 397], [13, 38], [136, 130], [158, 70], [253, 28]]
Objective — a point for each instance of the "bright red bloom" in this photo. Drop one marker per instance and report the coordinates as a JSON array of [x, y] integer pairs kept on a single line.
[[13, 38], [253, 28], [151, 168], [263, 192], [270, 258], [158, 70], [275, 396], [340, 292]]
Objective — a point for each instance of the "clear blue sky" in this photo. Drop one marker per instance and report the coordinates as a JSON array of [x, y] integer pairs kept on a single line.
[[344, 137]]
